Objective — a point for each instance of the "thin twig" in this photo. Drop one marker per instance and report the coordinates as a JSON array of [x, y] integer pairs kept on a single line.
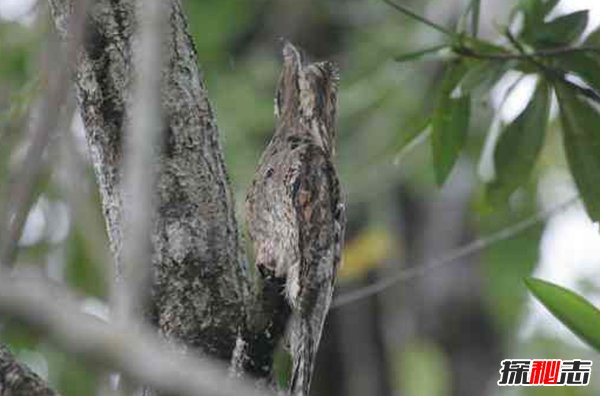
[[412, 144], [451, 256], [21, 197], [413, 15], [417, 54], [545, 53]]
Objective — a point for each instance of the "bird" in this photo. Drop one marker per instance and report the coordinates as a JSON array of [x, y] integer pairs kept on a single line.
[[294, 207]]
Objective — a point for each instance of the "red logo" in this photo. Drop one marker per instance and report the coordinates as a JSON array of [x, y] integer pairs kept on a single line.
[[545, 372]]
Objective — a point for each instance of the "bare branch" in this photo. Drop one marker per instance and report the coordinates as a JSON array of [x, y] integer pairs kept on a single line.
[[411, 14], [452, 256], [542, 53], [142, 356]]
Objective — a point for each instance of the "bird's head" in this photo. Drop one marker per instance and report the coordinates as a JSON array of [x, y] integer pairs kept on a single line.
[[306, 96]]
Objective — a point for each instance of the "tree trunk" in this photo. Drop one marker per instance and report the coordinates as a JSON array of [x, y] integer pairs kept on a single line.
[[199, 285]]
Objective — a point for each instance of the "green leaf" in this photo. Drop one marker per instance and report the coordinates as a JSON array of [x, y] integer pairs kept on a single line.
[[548, 6], [412, 130], [450, 123], [482, 77], [593, 39], [535, 11], [537, 8], [531, 8], [581, 138], [584, 64], [520, 144], [575, 312], [560, 31]]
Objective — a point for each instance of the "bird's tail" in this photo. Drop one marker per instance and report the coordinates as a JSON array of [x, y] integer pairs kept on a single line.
[[304, 346]]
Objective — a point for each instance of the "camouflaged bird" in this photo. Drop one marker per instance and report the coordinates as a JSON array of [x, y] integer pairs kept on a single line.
[[295, 215]]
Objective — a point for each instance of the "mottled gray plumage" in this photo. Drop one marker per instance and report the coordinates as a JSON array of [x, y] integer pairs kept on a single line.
[[294, 211]]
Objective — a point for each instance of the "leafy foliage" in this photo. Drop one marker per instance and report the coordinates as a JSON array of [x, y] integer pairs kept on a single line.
[[548, 49], [560, 31], [581, 138], [520, 143], [553, 50], [579, 315], [450, 123]]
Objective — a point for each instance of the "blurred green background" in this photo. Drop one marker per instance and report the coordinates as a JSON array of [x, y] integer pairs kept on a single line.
[[442, 333]]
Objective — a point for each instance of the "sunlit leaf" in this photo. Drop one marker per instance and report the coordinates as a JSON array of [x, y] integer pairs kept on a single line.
[[520, 144], [581, 137], [575, 312], [450, 123], [560, 31]]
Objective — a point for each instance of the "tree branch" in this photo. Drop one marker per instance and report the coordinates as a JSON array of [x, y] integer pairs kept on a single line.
[[542, 53], [141, 356], [411, 14], [551, 73], [470, 248], [199, 282]]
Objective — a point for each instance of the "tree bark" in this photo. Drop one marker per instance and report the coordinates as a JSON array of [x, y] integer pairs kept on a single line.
[[199, 282], [18, 380]]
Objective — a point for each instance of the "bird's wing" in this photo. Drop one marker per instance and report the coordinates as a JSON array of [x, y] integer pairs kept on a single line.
[[315, 193]]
